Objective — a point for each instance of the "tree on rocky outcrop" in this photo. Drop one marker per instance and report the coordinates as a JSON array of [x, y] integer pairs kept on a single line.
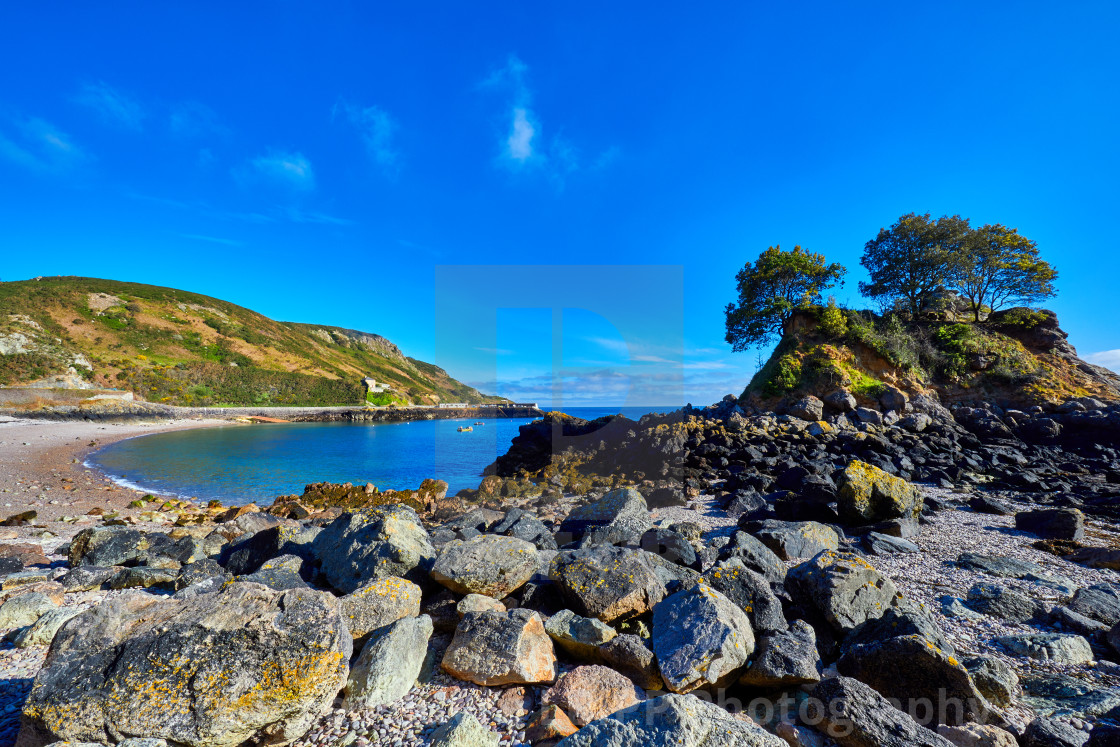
[[771, 288], [912, 258], [999, 266]]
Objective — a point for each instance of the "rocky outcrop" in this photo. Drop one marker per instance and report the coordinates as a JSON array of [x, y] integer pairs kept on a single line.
[[212, 671]]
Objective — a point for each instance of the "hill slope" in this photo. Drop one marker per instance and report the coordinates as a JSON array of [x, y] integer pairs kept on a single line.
[[183, 348], [1016, 358]]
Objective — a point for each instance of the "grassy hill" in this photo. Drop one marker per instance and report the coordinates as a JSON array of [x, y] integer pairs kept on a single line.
[[182, 348], [1019, 357]]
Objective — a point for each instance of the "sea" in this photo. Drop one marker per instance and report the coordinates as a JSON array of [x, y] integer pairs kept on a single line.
[[239, 464]]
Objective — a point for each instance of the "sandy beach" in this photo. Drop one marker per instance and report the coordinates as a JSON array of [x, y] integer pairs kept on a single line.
[[41, 468]]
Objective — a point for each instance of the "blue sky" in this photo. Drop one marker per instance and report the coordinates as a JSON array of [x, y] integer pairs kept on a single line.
[[318, 162]]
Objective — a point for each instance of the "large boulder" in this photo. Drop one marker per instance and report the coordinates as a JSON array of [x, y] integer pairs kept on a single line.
[[378, 603], [1100, 602], [389, 663], [619, 516], [630, 655], [1006, 604], [854, 715], [678, 720], [1059, 648], [494, 648], [579, 636], [384, 541], [608, 583], [867, 494], [1052, 523], [843, 587], [487, 564], [589, 693], [116, 545], [756, 556], [24, 609], [701, 639], [751, 592], [243, 663], [785, 659], [807, 408], [791, 540]]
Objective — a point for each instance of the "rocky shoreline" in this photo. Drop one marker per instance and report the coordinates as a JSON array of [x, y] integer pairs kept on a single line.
[[904, 575]]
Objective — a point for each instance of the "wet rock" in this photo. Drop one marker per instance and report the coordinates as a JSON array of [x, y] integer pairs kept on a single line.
[[868, 494], [591, 692], [844, 588], [678, 720], [608, 583], [854, 715], [242, 663], [751, 592], [791, 540], [378, 603], [631, 657], [579, 636], [487, 564], [492, 648], [785, 659], [1052, 523], [463, 730], [1060, 648], [389, 663], [385, 541], [701, 638]]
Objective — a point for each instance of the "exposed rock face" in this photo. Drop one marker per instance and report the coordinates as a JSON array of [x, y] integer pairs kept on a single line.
[[492, 648], [389, 663], [589, 693], [868, 494], [701, 639], [854, 715], [243, 663], [487, 564], [609, 583], [678, 720], [846, 589], [785, 659], [385, 541]]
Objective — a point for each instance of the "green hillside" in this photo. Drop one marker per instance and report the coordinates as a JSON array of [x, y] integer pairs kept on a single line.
[[182, 348]]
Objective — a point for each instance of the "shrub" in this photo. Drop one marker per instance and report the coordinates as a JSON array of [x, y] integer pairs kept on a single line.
[[832, 322]]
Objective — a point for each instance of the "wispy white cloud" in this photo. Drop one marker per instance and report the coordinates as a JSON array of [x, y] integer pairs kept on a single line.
[[211, 239], [519, 144], [291, 170], [112, 105], [38, 145], [192, 119], [300, 216], [1108, 358], [376, 129]]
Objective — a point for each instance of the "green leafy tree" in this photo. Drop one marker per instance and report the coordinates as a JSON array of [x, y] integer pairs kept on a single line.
[[1000, 266], [912, 258], [771, 289]]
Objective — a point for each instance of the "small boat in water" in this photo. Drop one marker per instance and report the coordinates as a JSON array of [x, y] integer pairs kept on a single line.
[[465, 428], [479, 422]]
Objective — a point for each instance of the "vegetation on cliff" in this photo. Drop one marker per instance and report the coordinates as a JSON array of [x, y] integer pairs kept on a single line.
[[182, 348]]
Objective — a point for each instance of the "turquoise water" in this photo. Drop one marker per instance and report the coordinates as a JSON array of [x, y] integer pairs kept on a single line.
[[240, 463]]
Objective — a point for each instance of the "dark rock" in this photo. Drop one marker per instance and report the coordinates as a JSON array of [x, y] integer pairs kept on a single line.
[[884, 544], [201, 570], [666, 497], [162, 579], [105, 546], [1004, 603], [700, 638], [751, 592], [904, 620], [755, 556], [620, 516], [489, 564], [844, 588], [492, 648], [88, 577], [791, 540], [630, 655], [609, 583], [1097, 557], [785, 659], [1052, 523], [385, 541], [985, 504], [523, 525], [1100, 602], [280, 579], [854, 715], [670, 546], [248, 554], [995, 679], [1046, 732], [840, 401], [580, 637]]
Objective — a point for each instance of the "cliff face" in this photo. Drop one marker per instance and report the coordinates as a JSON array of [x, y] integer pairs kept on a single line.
[[181, 348], [1016, 358]]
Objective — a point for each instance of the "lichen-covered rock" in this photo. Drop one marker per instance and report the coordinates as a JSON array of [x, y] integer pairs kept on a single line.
[[791, 540], [843, 587], [43, 630], [579, 636], [677, 720], [24, 609], [620, 515], [379, 603], [114, 545], [630, 656], [751, 592], [608, 583], [494, 648], [591, 692], [487, 564], [868, 494], [243, 663], [389, 663], [463, 730], [701, 639], [385, 541]]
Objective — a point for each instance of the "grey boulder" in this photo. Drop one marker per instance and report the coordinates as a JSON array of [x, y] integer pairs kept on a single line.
[[389, 663], [854, 715], [366, 546], [844, 588], [488, 564], [701, 639], [785, 659]]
